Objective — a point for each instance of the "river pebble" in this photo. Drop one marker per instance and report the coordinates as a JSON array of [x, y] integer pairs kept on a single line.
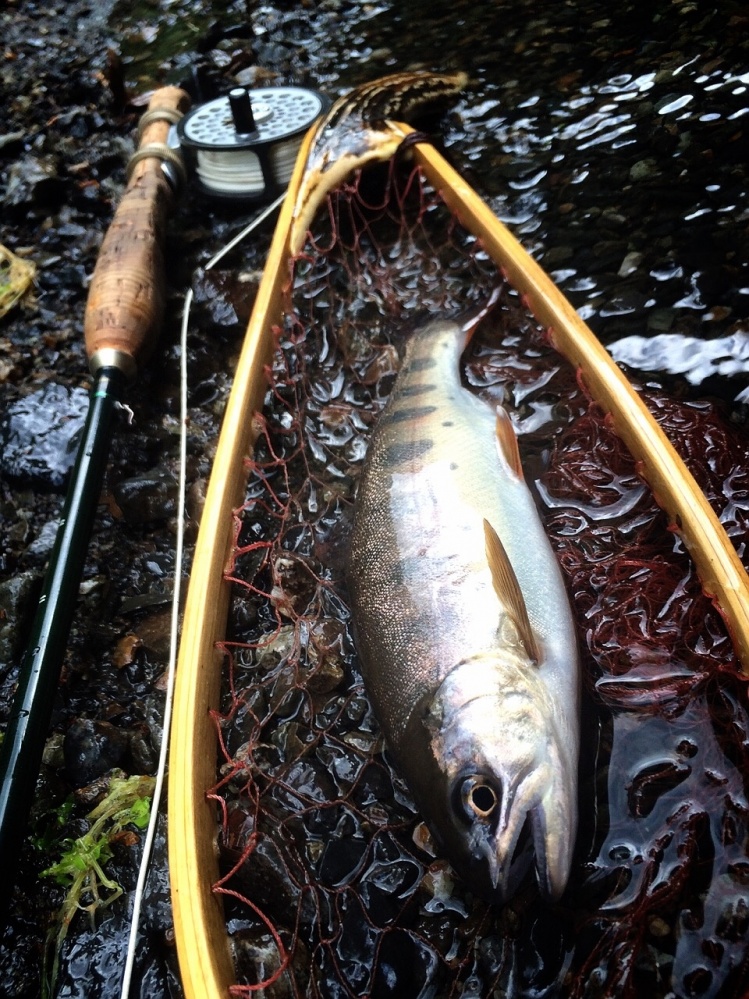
[[39, 435], [92, 748], [150, 496]]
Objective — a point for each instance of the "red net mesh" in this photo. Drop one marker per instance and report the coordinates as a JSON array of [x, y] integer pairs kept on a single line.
[[330, 886]]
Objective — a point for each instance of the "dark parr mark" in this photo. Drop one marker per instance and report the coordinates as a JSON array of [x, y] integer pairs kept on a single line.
[[411, 413], [420, 389], [422, 364], [404, 452]]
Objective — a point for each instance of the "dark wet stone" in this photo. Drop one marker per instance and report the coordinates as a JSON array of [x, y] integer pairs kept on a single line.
[[226, 297], [607, 255], [698, 361], [15, 603], [41, 547], [39, 435], [257, 958], [626, 303], [92, 748], [557, 255], [62, 274], [661, 320], [147, 497], [406, 966], [266, 880], [341, 859], [34, 181], [155, 633], [643, 169], [143, 754]]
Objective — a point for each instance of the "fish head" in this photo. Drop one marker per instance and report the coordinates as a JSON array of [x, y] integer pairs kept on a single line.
[[507, 797]]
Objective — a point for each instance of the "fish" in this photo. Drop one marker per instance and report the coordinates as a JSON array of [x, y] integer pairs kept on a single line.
[[463, 626]]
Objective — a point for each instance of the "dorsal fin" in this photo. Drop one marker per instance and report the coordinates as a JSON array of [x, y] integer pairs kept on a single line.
[[508, 590], [508, 441]]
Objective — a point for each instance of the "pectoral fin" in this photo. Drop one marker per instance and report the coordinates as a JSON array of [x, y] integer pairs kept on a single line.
[[508, 441], [508, 590]]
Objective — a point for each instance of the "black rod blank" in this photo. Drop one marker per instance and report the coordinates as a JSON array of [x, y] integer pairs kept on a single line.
[[33, 701]]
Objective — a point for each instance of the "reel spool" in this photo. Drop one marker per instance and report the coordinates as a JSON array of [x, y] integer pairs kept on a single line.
[[244, 145]]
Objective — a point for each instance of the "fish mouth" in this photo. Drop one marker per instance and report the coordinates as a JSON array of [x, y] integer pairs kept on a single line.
[[529, 824], [539, 832], [507, 875]]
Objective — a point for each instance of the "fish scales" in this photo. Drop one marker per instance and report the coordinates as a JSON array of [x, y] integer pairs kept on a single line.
[[478, 703]]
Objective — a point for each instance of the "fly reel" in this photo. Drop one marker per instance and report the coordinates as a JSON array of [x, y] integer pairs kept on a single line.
[[244, 145]]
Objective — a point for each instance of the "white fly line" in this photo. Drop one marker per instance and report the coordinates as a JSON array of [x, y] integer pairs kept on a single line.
[[148, 841]]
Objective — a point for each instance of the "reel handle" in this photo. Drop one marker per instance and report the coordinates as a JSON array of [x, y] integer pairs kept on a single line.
[[126, 296]]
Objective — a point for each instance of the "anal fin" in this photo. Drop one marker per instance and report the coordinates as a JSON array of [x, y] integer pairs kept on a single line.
[[508, 590]]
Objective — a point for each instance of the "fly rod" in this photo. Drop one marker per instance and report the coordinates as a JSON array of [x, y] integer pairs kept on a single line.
[[123, 314]]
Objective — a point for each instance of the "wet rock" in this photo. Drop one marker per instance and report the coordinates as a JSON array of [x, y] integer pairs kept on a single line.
[[342, 856], [153, 598], [155, 633], [52, 755], [557, 255], [608, 254], [293, 584], [34, 181], [266, 880], [625, 303], [407, 961], [630, 264], [92, 794], [225, 297], [38, 435], [661, 320], [125, 650], [258, 953], [91, 748], [255, 76], [15, 602], [41, 547], [147, 497], [643, 169], [143, 754]]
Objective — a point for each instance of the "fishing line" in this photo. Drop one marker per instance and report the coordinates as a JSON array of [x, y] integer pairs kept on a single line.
[[241, 235], [150, 835], [171, 668]]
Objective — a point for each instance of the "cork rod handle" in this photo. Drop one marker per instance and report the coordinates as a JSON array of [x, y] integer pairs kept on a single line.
[[126, 297]]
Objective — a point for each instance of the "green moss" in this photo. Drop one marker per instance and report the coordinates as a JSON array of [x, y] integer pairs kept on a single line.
[[81, 867]]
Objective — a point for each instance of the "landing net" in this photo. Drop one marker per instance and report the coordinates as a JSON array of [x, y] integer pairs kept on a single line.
[[331, 885]]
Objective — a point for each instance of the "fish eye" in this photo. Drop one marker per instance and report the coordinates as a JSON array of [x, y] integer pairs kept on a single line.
[[477, 799]]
